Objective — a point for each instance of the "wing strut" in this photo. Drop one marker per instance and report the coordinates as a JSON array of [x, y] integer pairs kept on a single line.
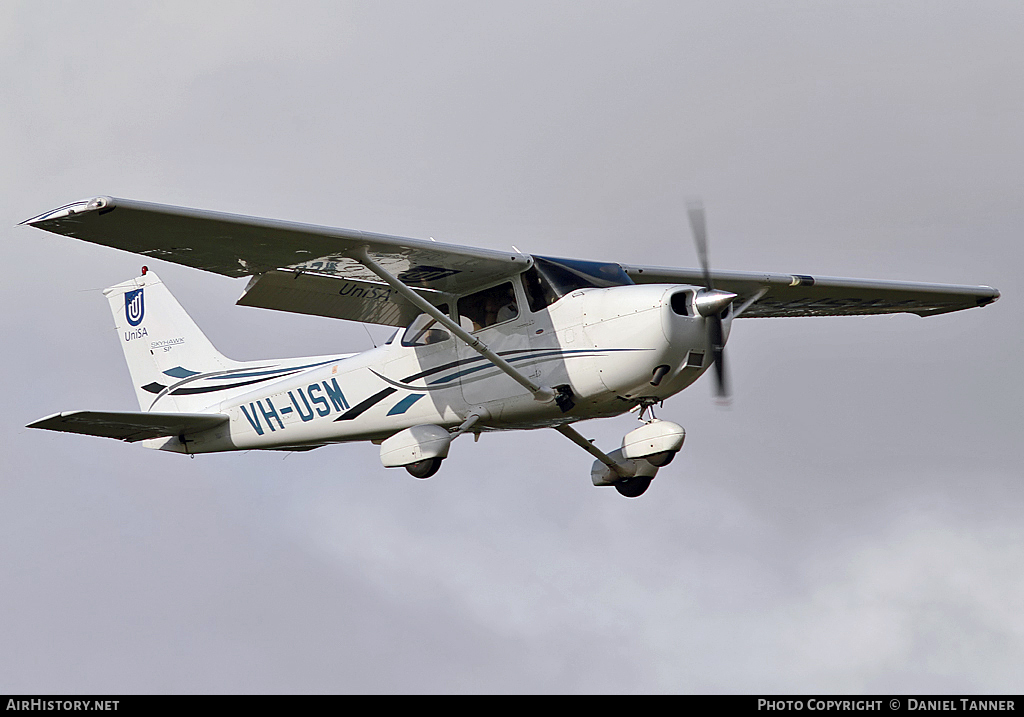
[[573, 435], [541, 393]]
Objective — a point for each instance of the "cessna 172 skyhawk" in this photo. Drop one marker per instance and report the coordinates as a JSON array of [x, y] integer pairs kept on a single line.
[[487, 340]]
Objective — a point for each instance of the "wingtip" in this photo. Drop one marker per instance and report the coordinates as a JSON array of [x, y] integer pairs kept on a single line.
[[41, 422], [87, 205], [992, 298]]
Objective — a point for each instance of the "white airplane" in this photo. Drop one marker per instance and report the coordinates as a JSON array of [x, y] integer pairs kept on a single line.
[[487, 340]]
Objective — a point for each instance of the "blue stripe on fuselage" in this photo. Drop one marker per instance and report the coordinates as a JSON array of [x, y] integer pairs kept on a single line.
[[540, 354], [404, 405]]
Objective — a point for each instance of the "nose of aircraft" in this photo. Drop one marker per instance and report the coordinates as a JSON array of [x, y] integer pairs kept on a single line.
[[698, 323]]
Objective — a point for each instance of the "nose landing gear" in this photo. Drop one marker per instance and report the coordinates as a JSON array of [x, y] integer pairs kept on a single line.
[[425, 468], [661, 459], [632, 468]]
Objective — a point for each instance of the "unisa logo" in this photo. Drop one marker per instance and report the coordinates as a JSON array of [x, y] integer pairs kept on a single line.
[[134, 309]]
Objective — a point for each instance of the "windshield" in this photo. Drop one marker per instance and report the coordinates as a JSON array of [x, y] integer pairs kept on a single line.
[[548, 280]]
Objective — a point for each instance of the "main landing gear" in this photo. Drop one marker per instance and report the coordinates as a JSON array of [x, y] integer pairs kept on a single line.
[[633, 487], [420, 449], [425, 468]]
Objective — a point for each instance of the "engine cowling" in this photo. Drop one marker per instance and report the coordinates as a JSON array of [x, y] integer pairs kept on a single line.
[[415, 444]]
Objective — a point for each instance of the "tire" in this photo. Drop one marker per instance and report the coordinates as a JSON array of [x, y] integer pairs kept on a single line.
[[425, 468], [633, 487], [661, 459]]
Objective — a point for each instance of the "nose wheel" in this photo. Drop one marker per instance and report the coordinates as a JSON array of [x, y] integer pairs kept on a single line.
[[425, 468], [661, 459]]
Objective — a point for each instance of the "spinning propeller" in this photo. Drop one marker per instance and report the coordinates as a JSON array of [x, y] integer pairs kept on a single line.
[[711, 303]]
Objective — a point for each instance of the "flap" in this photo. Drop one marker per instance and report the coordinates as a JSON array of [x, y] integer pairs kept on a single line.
[[320, 295]]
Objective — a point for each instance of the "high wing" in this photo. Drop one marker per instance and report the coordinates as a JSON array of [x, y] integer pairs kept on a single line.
[[777, 295], [317, 270], [130, 426], [297, 267]]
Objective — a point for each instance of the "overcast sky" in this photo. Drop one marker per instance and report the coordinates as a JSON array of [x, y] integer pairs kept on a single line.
[[851, 523]]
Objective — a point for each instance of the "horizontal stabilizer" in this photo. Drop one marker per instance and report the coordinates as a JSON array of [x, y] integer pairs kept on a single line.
[[130, 426]]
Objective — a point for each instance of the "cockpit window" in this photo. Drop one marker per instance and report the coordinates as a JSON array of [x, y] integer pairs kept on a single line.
[[548, 280], [424, 330], [488, 307]]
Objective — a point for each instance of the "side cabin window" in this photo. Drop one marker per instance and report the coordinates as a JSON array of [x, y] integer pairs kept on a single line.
[[424, 330], [488, 307], [548, 280]]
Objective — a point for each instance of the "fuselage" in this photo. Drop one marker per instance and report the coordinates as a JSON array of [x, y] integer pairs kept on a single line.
[[612, 347]]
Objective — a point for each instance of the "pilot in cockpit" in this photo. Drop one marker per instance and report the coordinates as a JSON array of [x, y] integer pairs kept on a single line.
[[501, 305], [488, 307]]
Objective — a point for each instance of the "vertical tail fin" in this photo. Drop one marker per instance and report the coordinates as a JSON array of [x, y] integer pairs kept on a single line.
[[162, 344]]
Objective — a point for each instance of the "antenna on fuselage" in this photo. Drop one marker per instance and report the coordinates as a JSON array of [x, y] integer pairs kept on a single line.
[[370, 335]]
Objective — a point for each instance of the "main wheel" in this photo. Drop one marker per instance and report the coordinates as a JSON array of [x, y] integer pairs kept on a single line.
[[661, 459], [425, 468], [633, 487]]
